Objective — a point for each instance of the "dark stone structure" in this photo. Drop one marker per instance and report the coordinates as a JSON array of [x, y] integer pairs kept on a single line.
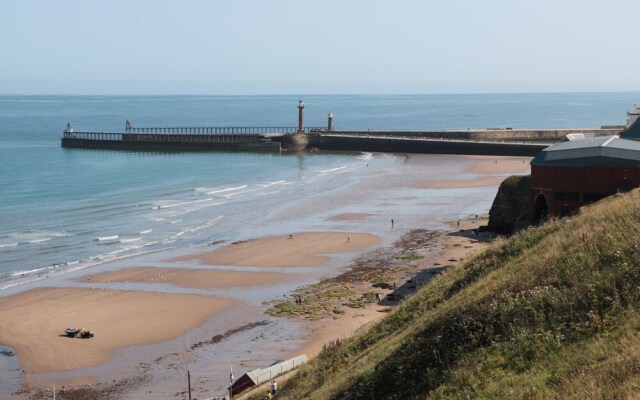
[[398, 143], [295, 142], [510, 209]]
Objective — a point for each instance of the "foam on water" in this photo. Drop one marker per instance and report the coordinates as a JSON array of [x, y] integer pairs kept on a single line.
[[130, 239], [326, 171], [107, 238], [232, 189], [266, 185]]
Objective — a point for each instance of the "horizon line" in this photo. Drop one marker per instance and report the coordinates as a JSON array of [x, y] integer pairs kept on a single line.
[[115, 87], [258, 94]]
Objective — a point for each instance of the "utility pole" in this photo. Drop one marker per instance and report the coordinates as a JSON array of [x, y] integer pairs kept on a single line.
[[189, 383]]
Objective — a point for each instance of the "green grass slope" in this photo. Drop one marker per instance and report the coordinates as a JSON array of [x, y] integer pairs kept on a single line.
[[551, 313]]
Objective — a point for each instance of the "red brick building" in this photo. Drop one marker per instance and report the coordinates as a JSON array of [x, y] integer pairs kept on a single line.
[[581, 170]]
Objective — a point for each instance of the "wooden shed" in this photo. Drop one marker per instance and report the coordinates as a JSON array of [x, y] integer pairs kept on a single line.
[[261, 375]]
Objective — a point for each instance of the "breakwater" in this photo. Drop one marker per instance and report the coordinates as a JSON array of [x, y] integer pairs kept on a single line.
[[190, 138], [169, 142], [490, 134], [500, 141], [404, 144]]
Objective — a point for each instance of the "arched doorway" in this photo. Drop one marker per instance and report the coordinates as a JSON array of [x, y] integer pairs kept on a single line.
[[541, 209]]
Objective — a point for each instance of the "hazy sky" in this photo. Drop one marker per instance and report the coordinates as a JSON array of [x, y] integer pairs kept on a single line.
[[323, 46]]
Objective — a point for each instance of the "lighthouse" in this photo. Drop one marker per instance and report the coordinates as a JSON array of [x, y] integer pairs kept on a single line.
[[301, 116], [330, 122]]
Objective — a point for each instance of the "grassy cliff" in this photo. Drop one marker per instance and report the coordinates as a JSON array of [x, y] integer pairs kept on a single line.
[[551, 313]]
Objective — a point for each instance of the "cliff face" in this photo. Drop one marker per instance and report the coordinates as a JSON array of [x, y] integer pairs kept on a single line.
[[510, 208]]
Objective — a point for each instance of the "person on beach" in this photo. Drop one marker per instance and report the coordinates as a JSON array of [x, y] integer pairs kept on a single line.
[[392, 222], [274, 387]]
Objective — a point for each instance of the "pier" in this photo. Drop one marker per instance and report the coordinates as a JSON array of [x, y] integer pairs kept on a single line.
[[183, 138], [492, 141]]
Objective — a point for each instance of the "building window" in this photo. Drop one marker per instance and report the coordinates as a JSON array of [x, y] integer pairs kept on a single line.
[[624, 185], [593, 197], [564, 196]]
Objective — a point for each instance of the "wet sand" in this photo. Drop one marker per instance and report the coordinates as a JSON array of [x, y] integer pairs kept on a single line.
[[485, 171], [189, 278], [499, 165], [298, 249], [482, 182], [349, 217]]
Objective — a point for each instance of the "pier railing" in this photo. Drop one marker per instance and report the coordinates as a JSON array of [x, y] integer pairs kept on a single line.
[[220, 130], [92, 135], [188, 134]]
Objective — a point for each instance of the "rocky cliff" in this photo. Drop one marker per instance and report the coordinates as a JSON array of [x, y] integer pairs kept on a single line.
[[510, 208]]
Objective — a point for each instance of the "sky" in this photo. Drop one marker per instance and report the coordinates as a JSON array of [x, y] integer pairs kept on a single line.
[[317, 47]]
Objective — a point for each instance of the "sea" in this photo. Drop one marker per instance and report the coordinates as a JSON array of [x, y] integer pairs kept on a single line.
[[68, 209]]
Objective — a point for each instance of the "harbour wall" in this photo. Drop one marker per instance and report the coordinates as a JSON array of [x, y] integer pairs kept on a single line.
[[497, 134], [499, 141], [434, 146], [170, 146]]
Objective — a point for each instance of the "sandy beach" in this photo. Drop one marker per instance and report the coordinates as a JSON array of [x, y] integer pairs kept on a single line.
[[149, 317], [185, 292], [299, 249], [34, 321]]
